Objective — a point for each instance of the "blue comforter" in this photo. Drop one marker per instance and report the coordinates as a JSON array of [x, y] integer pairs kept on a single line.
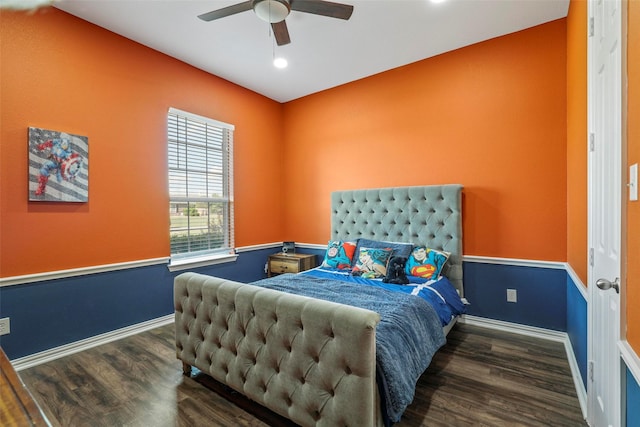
[[440, 293], [408, 335]]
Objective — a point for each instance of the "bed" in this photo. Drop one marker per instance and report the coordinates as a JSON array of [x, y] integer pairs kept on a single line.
[[295, 345]]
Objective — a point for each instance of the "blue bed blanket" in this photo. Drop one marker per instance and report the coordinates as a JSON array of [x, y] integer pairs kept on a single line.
[[440, 292], [408, 335]]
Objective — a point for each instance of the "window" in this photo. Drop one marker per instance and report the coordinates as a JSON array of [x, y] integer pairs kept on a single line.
[[200, 187]]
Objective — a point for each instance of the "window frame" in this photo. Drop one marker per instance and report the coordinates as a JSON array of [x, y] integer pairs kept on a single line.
[[226, 253]]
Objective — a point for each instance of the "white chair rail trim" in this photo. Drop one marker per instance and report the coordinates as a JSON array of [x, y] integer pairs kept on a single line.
[[61, 274], [515, 261], [40, 277]]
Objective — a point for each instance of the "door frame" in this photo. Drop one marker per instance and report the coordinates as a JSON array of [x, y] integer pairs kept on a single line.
[[620, 402]]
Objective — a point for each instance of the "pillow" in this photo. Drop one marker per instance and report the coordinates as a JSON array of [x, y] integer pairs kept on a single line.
[[395, 271], [372, 262], [426, 263], [339, 254], [399, 249]]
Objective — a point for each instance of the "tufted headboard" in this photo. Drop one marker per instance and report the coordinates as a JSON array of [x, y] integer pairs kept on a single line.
[[423, 215]]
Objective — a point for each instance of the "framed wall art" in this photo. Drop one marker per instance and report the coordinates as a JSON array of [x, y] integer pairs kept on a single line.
[[58, 166]]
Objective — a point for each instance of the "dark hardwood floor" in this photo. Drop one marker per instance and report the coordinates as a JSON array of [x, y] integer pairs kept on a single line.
[[481, 377]]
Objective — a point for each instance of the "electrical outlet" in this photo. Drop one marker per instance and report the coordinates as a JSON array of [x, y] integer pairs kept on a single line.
[[512, 295], [5, 326]]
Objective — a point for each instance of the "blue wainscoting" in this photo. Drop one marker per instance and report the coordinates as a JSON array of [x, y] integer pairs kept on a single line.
[[52, 313], [542, 294]]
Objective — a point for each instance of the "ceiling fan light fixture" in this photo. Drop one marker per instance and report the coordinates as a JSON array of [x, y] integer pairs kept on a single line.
[[280, 63], [272, 11]]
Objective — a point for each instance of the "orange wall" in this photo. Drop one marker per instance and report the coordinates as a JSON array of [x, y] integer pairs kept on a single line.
[[577, 211], [495, 109], [491, 116], [633, 156], [62, 73]]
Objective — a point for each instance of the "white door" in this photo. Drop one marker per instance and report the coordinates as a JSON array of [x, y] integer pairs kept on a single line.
[[605, 208]]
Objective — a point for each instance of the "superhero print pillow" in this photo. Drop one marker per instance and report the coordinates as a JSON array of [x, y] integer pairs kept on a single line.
[[372, 262], [425, 262], [339, 254]]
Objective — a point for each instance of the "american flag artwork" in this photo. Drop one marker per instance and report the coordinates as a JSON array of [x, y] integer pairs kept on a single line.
[[58, 166]]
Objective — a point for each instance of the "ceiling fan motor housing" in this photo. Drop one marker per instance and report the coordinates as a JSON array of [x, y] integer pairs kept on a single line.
[[271, 11], [274, 12]]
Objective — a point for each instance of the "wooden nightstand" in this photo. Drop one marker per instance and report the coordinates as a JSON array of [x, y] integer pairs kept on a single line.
[[289, 263]]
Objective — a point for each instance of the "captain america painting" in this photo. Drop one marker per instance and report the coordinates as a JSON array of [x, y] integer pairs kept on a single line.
[[58, 166]]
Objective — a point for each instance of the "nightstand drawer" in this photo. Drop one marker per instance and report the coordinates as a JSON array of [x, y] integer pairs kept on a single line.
[[290, 263], [279, 266]]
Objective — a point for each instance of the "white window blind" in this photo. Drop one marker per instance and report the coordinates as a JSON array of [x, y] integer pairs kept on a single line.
[[200, 153]]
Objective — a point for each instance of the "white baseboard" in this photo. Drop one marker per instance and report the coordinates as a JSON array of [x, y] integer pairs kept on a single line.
[[581, 390], [516, 328], [77, 346], [546, 334]]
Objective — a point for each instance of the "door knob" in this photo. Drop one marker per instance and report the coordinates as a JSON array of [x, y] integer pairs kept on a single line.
[[605, 284]]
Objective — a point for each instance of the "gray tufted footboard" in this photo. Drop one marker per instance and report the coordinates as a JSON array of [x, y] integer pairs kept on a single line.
[[309, 360]]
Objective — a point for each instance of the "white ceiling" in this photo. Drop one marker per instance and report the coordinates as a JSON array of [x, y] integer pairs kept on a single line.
[[324, 52]]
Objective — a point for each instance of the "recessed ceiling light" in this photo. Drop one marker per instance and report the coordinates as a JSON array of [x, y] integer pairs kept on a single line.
[[280, 63], [438, 1]]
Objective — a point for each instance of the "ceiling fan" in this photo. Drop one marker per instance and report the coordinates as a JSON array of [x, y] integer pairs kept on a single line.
[[275, 12]]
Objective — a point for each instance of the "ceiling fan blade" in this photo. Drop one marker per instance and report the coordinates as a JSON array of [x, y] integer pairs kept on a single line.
[[281, 32], [324, 8], [226, 11]]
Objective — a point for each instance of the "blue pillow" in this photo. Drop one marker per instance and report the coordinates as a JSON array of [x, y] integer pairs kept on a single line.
[[398, 248]]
